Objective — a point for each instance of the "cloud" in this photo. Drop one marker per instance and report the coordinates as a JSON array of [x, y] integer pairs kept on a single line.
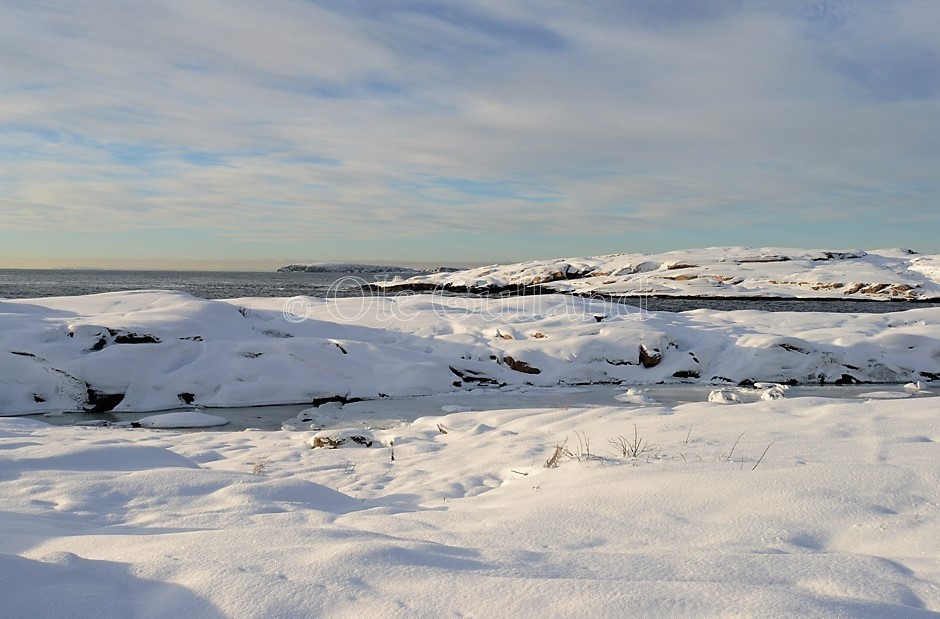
[[317, 121]]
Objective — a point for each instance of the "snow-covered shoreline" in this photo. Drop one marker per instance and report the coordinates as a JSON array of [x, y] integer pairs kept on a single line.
[[156, 350], [717, 272]]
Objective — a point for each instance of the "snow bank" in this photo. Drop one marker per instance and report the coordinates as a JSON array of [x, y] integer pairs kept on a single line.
[[712, 272], [156, 350], [783, 508]]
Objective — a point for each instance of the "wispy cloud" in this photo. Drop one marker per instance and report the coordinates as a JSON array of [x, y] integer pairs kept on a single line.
[[322, 122]]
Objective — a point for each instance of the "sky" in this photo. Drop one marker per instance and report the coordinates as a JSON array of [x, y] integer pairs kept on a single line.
[[236, 134]]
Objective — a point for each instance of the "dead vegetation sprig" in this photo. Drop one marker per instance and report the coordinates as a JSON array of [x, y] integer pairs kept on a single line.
[[581, 453], [555, 459], [632, 449], [259, 466], [766, 449], [727, 457]]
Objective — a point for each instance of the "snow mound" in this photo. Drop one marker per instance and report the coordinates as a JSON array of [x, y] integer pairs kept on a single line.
[[635, 396], [723, 396]]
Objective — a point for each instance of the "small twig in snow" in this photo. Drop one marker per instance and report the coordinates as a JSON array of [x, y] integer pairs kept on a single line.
[[762, 456]]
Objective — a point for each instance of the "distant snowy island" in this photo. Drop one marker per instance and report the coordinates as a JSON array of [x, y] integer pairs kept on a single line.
[[346, 267], [886, 274]]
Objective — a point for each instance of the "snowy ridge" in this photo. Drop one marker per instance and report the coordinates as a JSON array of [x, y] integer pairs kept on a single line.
[[713, 272], [152, 350]]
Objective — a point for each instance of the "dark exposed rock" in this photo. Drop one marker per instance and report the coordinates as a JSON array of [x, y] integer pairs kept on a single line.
[[686, 374], [38, 398], [194, 338], [332, 443], [251, 355], [792, 348], [472, 376], [650, 357], [839, 255], [931, 375], [521, 366], [492, 290], [342, 399], [135, 338], [619, 362], [101, 402], [22, 354], [186, 397], [338, 345], [847, 379]]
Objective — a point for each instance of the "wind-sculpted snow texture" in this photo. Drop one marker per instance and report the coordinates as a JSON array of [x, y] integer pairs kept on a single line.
[[802, 507], [151, 350], [713, 272]]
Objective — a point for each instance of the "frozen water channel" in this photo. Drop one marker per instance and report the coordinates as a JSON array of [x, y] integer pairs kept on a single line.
[[392, 412]]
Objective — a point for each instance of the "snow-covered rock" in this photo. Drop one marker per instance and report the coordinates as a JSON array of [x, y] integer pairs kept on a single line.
[[635, 396], [712, 272], [342, 437], [723, 396], [916, 387], [253, 351]]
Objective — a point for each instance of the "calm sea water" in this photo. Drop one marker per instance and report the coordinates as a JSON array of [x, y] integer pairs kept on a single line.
[[28, 283]]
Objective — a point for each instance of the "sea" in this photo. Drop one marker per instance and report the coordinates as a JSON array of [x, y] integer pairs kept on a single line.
[[33, 283]]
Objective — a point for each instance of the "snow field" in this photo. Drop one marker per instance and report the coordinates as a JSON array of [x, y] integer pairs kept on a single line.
[[788, 507]]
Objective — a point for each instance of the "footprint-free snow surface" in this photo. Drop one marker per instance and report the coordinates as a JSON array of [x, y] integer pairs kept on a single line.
[[780, 508]]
